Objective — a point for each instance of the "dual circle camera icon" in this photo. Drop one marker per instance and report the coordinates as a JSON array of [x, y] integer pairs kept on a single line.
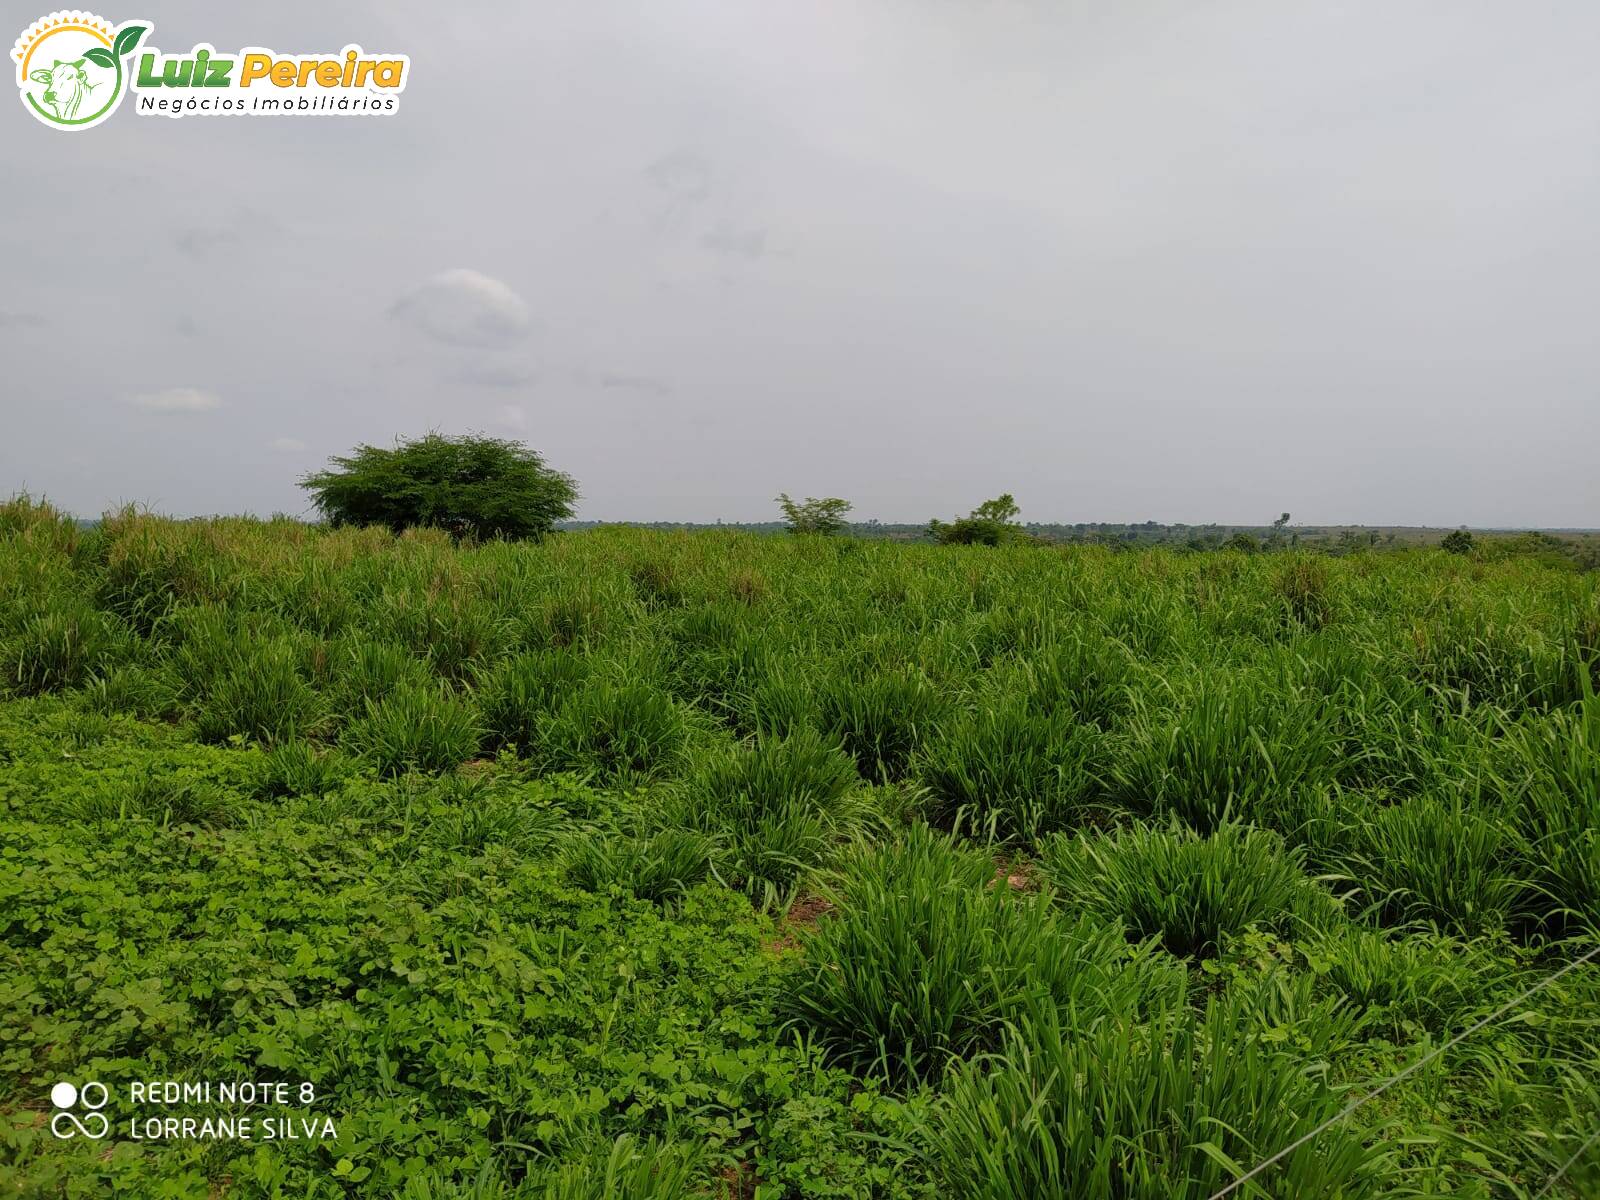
[[67, 1098]]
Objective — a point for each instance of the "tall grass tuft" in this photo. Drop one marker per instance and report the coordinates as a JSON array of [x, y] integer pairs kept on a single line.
[[415, 728], [1439, 861], [1011, 771], [777, 809], [1191, 892], [1171, 1109], [658, 867], [623, 732], [520, 693], [59, 649], [927, 958], [881, 717], [261, 695], [1227, 747]]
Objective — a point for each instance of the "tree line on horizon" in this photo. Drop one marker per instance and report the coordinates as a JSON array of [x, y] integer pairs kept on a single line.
[[484, 487]]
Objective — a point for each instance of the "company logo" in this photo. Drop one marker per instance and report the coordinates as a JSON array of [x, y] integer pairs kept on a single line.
[[70, 67], [66, 1123], [73, 69]]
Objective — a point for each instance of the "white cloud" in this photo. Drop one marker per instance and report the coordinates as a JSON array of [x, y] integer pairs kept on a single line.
[[462, 307], [286, 444], [513, 416], [177, 400]]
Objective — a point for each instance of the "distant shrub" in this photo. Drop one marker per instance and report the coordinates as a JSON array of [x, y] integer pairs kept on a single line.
[[416, 728], [992, 523], [1192, 892], [486, 487], [813, 516], [1457, 541]]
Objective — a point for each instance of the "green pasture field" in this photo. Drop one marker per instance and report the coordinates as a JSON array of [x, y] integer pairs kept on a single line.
[[643, 864]]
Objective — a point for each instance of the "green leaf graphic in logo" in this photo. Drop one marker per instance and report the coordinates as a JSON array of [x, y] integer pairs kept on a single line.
[[127, 38], [100, 57]]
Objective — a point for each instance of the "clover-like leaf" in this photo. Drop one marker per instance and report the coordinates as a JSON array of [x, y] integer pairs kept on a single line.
[[128, 38], [100, 57]]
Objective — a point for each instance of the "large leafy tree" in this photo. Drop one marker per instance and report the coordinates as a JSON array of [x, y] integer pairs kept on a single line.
[[487, 487]]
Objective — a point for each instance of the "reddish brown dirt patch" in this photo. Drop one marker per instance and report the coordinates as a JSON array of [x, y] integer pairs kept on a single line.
[[803, 914]]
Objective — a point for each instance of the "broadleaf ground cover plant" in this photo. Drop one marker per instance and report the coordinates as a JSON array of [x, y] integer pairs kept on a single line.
[[644, 864]]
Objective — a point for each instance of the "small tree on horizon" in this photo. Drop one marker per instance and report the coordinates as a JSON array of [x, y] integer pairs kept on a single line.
[[992, 522], [812, 516], [468, 484]]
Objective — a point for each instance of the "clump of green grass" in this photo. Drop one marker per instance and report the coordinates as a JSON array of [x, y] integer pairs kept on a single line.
[[659, 866], [623, 732], [927, 958], [474, 817], [362, 672], [657, 583], [1010, 771], [1169, 1109], [158, 796], [518, 695], [1549, 769], [1083, 675], [881, 717], [777, 809], [1228, 747], [59, 649], [1439, 861], [1191, 892], [140, 691], [1303, 586], [261, 695], [297, 768], [1401, 982], [415, 728], [628, 1168]]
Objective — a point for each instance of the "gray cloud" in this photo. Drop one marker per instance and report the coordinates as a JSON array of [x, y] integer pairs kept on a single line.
[[463, 307], [746, 243], [495, 375], [177, 400]]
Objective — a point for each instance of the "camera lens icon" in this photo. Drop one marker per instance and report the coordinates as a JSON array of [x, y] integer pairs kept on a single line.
[[67, 1123]]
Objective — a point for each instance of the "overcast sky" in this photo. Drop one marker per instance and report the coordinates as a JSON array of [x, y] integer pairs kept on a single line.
[[1127, 260]]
